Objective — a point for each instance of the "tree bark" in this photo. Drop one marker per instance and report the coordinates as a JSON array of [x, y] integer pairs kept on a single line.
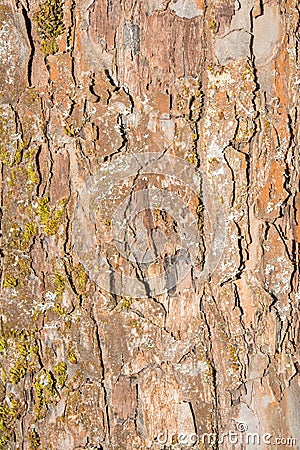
[[150, 224]]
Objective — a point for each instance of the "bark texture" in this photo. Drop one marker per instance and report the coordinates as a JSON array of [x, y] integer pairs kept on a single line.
[[185, 320]]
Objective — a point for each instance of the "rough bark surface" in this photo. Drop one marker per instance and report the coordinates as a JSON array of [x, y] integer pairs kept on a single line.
[[186, 319]]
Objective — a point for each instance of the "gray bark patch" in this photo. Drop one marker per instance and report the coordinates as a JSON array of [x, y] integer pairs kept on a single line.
[[186, 9], [266, 30], [232, 46], [131, 37]]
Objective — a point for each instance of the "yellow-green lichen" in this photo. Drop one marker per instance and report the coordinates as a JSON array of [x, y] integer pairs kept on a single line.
[[16, 271], [60, 373], [72, 358], [126, 302], [234, 358], [213, 25], [10, 412], [189, 99], [30, 232], [136, 324], [2, 344], [23, 178], [34, 440], [58, 309], [71, 131], [10, 282], [51, 218], [175, 439], [33, 177], [18, 371], [45, 393], [193, 159], [249, 73], [9, 152], [19, 353], [245, 131], [208, 372], [60, 284], [79, 278], [75, 126], [49, 20]]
